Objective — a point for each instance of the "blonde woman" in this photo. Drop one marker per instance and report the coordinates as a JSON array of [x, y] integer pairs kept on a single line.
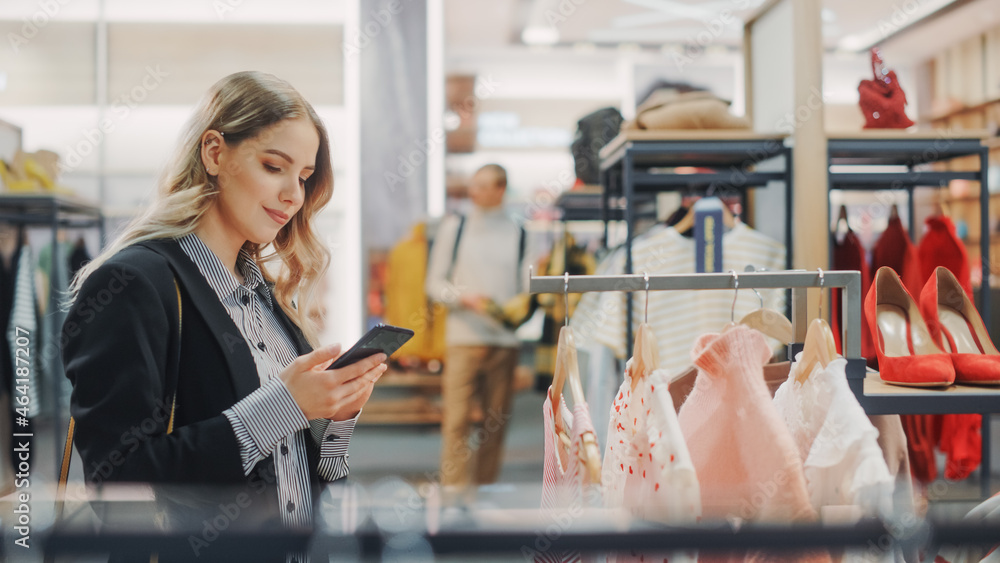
[[231, 393]]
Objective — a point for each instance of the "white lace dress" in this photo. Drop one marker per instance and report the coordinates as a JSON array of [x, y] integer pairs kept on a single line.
[[843, 464]]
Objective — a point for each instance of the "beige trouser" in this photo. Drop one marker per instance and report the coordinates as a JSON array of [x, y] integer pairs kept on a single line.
[[468, 369]]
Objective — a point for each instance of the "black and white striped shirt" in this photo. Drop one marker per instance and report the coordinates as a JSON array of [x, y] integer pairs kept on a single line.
[[268, 421]]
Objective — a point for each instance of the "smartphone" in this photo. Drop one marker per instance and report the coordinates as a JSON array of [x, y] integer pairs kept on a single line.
[[383, 338]]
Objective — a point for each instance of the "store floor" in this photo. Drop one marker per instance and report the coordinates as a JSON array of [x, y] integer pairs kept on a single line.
[[413, 453]]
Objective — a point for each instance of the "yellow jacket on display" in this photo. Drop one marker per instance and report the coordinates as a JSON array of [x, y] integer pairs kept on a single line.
[[406, 303]]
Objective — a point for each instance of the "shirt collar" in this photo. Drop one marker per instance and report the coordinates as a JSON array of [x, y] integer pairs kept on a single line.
[[219, 277]]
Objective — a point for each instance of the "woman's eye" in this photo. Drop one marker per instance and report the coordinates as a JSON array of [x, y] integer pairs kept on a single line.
[[270, 168], [302, 182]]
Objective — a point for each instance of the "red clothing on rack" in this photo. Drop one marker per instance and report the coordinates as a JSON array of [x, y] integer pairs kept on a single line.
[[894, 249], [849, 254], [958, 435], [940, 246]]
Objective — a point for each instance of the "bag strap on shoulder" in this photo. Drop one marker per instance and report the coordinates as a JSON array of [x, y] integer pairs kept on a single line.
[[521, 245], [68, 448], [454, 249]]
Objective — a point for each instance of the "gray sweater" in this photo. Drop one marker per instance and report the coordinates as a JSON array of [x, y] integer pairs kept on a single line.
[[486, 265]]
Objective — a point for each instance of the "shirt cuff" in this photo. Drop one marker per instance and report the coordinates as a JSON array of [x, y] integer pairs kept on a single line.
[[262, 419], [333, 439]]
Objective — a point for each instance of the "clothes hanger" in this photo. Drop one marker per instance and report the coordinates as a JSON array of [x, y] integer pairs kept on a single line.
[[842, 215], [819, 347], [567, 369], [768, 322], [843, 226], [939, 208], [732, 310], [645, 353], [894, 212], [687, 222]]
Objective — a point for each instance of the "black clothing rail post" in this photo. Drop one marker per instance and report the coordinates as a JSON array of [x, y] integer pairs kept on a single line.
[[914, 153], [632, 164]]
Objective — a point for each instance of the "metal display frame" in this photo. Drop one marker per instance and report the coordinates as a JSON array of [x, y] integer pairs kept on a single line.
[[595, 206], [798, 281], [911, 153], [894, 148], [874, 396], [629, 163]]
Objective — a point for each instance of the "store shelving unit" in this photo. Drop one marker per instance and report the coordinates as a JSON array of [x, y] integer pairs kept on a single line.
[[54, 212], [640, 162], [590, 205], [909, 154], [905, 161]]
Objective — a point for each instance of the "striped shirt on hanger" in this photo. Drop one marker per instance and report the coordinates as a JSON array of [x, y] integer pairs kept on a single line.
[[267, 422], [678, 318]]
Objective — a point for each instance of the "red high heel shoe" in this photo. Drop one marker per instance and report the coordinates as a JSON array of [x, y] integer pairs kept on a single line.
[[957, 328], [907, 355]]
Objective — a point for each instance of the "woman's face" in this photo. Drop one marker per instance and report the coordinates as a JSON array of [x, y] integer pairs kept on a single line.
[[262, 180]]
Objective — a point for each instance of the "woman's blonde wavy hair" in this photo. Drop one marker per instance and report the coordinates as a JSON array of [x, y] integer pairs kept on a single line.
[[241, 106]]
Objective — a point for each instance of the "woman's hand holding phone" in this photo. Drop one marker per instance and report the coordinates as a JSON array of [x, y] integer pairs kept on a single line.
[[336, 394]]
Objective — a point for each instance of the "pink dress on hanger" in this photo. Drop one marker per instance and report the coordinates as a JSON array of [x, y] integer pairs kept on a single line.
[[566, 487], [747, 462], [748, 465], [647, 468]]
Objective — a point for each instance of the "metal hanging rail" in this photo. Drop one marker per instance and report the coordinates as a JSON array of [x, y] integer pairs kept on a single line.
[[797, 281]]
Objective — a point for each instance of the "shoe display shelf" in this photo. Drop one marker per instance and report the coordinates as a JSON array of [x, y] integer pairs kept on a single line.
[[901, 160]]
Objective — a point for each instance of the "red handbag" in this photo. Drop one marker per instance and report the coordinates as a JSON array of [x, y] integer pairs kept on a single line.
[[882, 99]]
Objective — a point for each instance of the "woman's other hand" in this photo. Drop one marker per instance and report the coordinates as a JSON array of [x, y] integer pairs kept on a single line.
[[335, 394]]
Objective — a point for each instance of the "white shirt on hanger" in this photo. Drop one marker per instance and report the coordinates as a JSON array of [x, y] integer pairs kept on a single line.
[[678, 317]]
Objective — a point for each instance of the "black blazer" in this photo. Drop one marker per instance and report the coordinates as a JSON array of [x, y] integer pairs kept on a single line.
[[122, 354]]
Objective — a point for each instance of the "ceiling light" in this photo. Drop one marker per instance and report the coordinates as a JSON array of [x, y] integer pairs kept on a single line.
[[540, 35], [827, 15]]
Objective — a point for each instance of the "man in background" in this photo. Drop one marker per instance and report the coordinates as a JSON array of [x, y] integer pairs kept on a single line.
[[476, 259]]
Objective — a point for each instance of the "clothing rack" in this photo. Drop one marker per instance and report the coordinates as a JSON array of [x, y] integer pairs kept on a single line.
[[633, 163], [898, 157], [55, 212], [898, 160], [875, 396], [798, 281]]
